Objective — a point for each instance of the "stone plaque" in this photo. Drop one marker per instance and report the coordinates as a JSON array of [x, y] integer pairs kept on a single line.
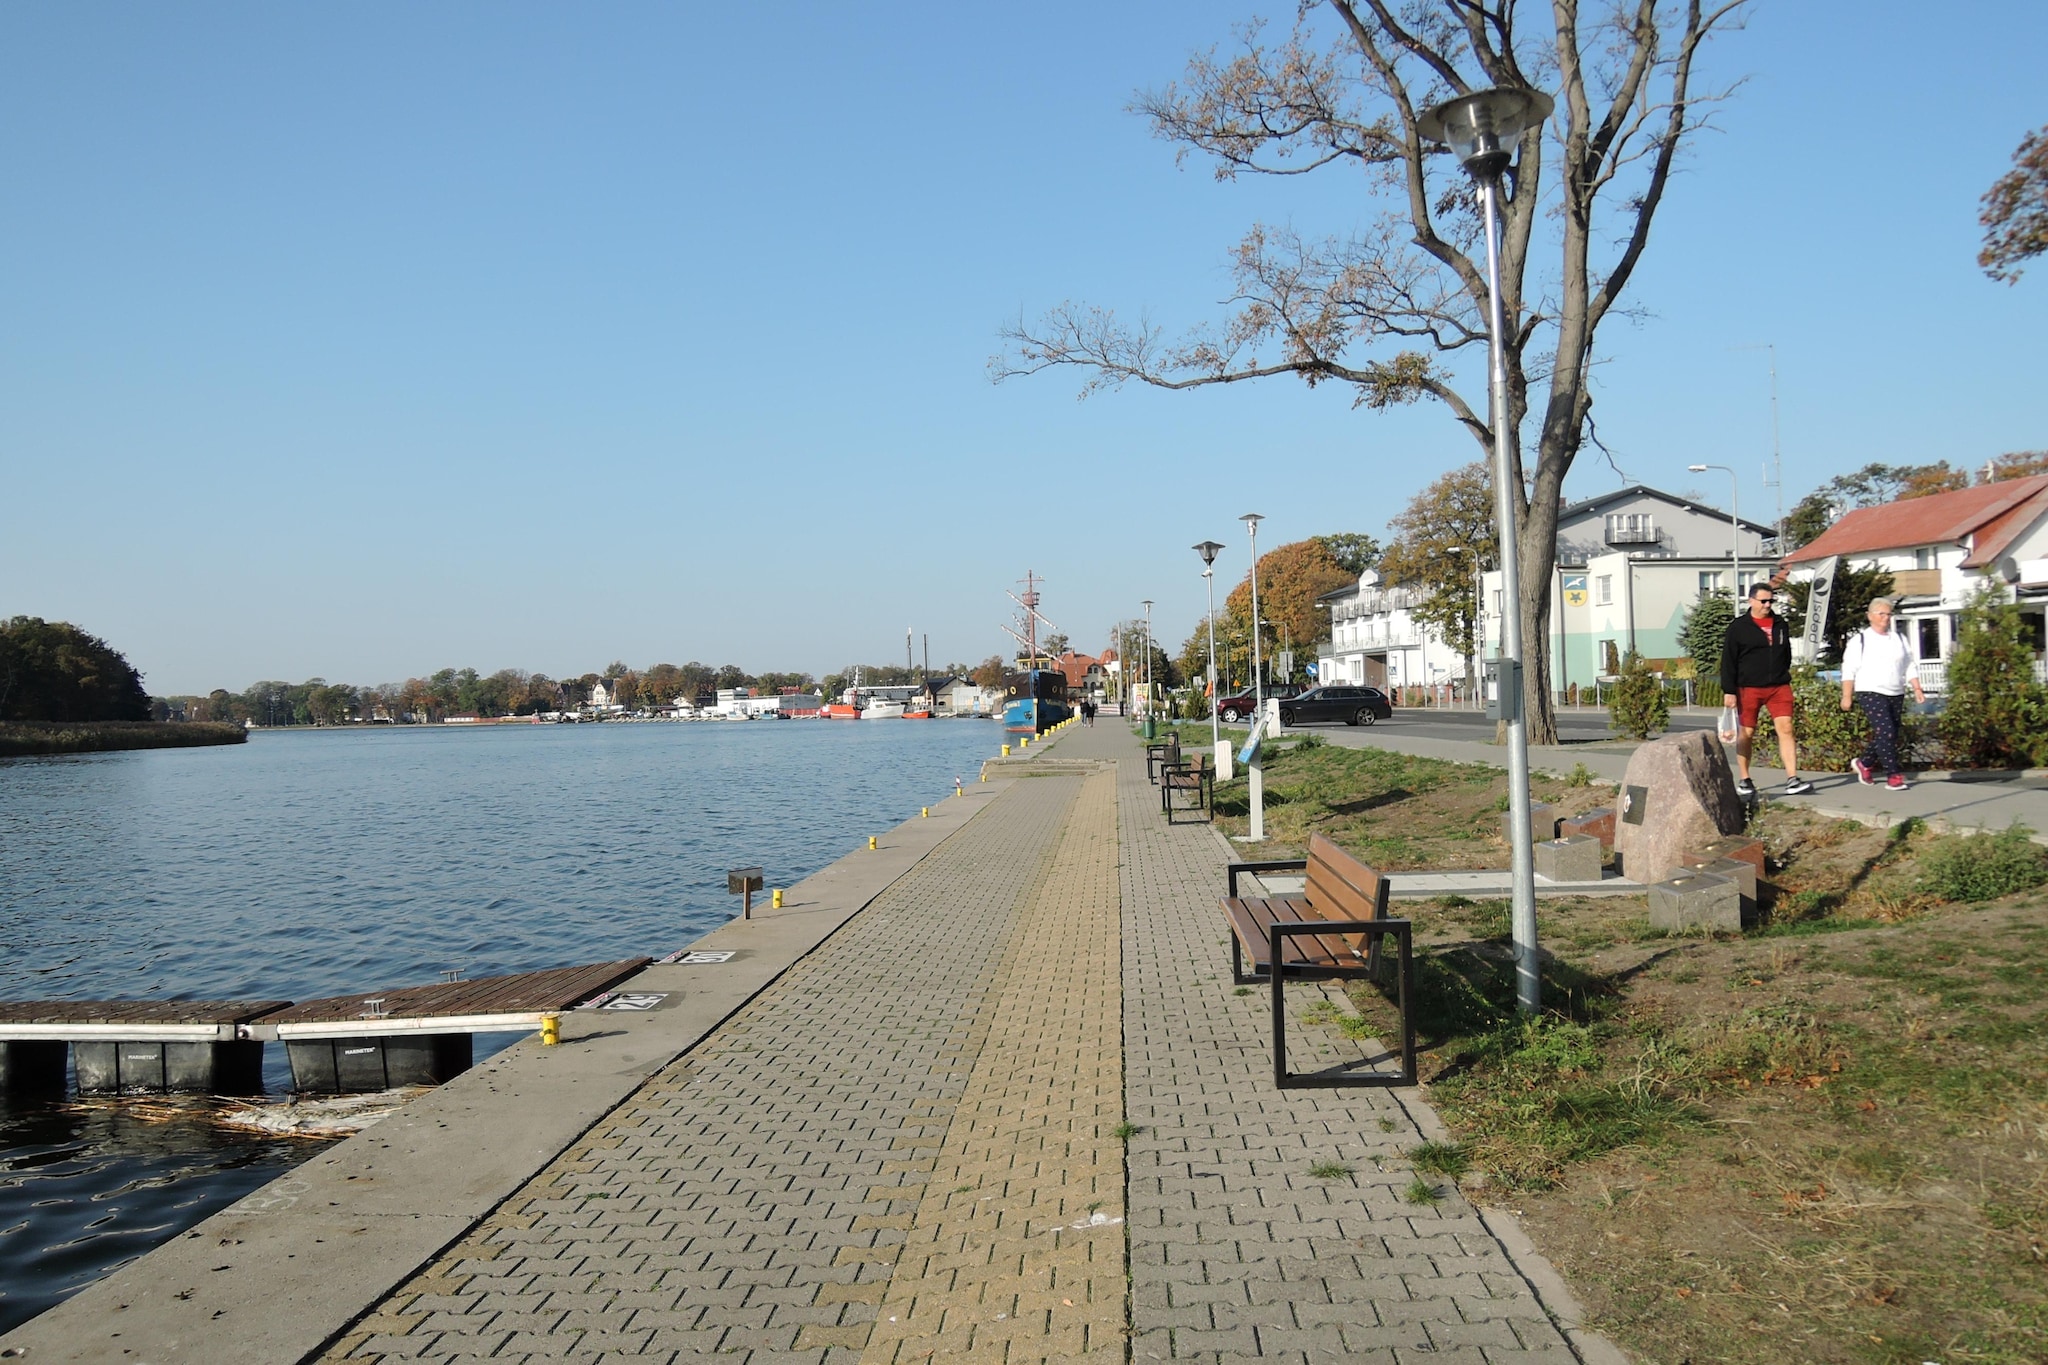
[[1635, 801]]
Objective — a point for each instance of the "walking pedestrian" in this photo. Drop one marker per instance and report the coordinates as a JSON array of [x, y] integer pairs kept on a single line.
[[1877, 667], [1756, 676]]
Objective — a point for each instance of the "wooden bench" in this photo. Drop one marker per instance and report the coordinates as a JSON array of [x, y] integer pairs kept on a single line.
[[1331, 930], [1160, 753], [1194, 774]]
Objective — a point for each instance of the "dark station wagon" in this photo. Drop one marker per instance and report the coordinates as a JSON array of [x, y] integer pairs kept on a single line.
[[1353, 705]]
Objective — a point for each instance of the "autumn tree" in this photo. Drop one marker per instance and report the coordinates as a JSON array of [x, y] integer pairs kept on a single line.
[[2015, 212], [2018, 464], [1440, 543], [988, 674], [1291, 578], [1388, 308], [1355, 552]]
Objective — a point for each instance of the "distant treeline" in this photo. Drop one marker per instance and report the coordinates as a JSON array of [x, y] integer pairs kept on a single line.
[[507, 692]]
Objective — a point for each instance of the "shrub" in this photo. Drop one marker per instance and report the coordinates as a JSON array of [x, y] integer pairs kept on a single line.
[[1640, 707], [1983, 867], [1995, 715], [1705, 629]]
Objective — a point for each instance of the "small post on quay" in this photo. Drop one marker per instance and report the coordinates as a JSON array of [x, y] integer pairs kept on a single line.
[[744, 882]]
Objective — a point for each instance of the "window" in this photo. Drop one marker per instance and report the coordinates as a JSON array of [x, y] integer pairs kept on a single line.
[[1603, 589], [1710, 581], [1630, 528], [1610, 657], [1923, 558], [1496, 601], [1930, 638]]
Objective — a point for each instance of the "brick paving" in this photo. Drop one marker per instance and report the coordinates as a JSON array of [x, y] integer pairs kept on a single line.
[[751, 1202], [907, 1149], [1237, 1250]]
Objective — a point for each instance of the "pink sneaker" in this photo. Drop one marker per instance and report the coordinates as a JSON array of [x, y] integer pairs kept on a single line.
[[1862, 771], [1897, 782]]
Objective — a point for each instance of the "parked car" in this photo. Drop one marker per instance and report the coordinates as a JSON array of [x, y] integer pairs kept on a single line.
[[1352, 705], [1245, 703]]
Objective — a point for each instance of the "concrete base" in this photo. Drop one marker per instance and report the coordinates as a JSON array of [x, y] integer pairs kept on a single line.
[[1573, 858], [1542, 820], [152, 1068], [34, 1067], [1740, 846], [1695, 900], [1744, 877], [1598, 823]]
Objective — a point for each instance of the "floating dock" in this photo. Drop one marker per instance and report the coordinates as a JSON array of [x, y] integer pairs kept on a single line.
[[411, 1035]]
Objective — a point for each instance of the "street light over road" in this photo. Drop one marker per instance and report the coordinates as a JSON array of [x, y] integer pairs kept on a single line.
[[1734, 526], [1480, 129]]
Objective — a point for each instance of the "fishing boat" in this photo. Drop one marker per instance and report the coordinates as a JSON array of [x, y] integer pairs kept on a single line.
[[839, 710], [881, 708], [918, 712]]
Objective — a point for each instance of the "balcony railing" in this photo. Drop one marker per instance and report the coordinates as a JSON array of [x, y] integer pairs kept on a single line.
[[1934, 675]]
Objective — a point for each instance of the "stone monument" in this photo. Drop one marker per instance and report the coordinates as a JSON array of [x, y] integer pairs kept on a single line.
[[1677, 794]]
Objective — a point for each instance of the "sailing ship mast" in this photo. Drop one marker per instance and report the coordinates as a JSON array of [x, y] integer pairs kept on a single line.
[[1032, 617]]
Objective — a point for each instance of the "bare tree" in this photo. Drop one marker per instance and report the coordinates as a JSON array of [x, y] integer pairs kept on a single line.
[[1383, 309]]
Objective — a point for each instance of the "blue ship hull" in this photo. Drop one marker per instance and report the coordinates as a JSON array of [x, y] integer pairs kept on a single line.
[[1034, 716]]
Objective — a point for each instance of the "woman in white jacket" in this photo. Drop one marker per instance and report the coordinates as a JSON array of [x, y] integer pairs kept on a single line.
[[1877, 668]]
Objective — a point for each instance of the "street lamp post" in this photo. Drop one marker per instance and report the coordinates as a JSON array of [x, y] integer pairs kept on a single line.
[[1255, 778], [1208, 550], [1480, 129], [1734, 528], [1149, 704]]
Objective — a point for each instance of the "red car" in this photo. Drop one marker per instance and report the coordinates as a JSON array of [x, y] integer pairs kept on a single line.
[[1236, 708]]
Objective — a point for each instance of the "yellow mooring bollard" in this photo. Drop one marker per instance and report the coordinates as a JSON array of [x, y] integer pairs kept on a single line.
[[924, 812], [775, 902], [871, 843], [550, 1029], [1006, 751]]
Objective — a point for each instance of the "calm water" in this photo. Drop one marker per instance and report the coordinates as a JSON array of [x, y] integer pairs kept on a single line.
[[314, 863]]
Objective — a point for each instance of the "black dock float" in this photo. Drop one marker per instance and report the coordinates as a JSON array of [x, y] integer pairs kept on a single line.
[[421, 1035], [134, 1046]]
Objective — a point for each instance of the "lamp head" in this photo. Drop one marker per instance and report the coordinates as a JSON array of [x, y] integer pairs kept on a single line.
[[1147, 605], [1208, 550], [1252, 520], [1481, 128], [1697, 468]]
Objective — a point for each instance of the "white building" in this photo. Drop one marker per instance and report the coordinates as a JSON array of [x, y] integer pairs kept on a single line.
[[1375, 639]]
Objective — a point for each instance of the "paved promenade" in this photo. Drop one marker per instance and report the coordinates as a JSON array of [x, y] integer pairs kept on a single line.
[[1011, 1110]]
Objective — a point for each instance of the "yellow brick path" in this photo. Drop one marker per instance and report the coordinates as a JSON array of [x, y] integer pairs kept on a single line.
[[1016, 1251]]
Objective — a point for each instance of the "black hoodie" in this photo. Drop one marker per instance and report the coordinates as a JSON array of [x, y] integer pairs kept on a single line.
[[1755, 654]]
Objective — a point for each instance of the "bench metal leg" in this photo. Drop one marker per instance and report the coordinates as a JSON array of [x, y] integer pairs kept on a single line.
[[1404, 936]]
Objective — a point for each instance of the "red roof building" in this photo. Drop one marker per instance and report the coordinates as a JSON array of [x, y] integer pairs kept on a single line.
[[1939, 549]]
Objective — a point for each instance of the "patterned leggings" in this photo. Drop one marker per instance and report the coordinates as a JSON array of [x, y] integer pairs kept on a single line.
[[1882, 753]]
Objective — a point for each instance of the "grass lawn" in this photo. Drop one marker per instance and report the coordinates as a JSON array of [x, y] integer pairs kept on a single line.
[[1823, 1140]]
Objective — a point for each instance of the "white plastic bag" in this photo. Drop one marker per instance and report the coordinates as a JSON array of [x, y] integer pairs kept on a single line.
[[1729, 731]]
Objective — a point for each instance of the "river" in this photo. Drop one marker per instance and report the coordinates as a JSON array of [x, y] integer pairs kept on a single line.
[[319, 862]]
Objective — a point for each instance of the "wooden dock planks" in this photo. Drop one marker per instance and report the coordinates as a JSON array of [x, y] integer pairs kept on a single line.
[[521, 993]]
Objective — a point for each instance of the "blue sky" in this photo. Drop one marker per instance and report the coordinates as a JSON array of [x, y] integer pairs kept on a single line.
[[362, 341]]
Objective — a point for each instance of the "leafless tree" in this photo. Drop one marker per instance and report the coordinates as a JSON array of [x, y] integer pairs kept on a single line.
[[1384, 309]]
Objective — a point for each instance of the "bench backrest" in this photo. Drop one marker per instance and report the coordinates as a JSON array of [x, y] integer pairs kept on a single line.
[[1340, 887]]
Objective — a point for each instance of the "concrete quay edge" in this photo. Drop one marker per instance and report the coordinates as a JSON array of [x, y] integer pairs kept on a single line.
[[285, 1271]]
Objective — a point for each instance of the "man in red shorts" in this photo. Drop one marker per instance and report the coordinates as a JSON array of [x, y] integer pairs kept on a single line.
[[1756, 675]]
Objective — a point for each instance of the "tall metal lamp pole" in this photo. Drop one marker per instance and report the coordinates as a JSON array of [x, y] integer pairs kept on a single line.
[[1208, 550], [1149, 703], [1251, 521], [1734, 527], [1481, 129]]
